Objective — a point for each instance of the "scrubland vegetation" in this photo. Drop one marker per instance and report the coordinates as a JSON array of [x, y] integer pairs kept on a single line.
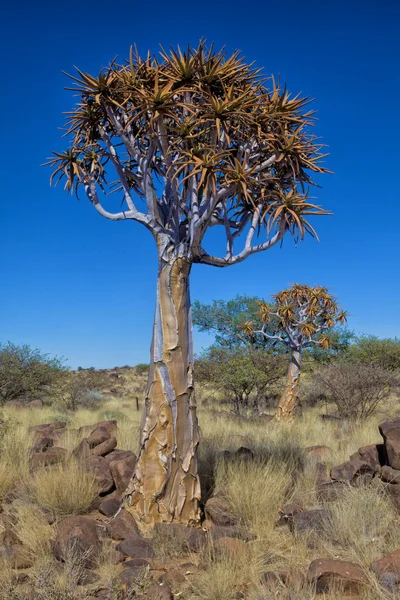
[[277, 466]]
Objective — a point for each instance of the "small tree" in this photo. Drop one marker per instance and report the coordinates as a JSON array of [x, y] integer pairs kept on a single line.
[[304, 315], [190, 141], [369, 349], [27, 373]]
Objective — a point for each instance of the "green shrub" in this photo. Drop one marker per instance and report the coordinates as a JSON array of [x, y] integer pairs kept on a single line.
[[142, 369], [26, 373], [384, 353]]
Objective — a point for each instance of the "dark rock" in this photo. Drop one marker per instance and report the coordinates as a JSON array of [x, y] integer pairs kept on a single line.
[[117, 454], [330, 491], [288, 511], [191, 538], [52, 456], [103, 477], [123, 526], [159, 591], [374, 455], [122, 470], [244, 452], [16, 557], [309, 520], [82, 451], [77, 536], [87, 577], [136, 562], [129, 576], [110, 505], [390, 475], [390, 431], [111, 427], [326, 574], [174, 579], [135, 547], [98, 436], [349, 472], [42, 443], [387, 569], [105, 447], [34, 404], [217, 509]]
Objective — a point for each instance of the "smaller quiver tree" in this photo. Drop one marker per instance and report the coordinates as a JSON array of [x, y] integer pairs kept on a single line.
[[301, 315]]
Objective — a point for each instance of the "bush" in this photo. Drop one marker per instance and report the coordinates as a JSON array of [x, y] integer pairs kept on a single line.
[[355, 388], [80, 389], [27, 374], [369, 349], [142, 369], [245, 377]]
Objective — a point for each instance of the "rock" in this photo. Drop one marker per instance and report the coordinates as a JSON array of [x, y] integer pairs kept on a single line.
[[117, 454], [42, 443], [16, 557], [174, 578], [326, 573], [317, 451], [136, 562], [9, 538], [110, 505], [287, 512], [105, 447], [87, 577], [98, 436], [52, 456], [230, 531], [77, 536], [390, 431], [111, 427], [122, 470], [217, 509], [390, 475], [103, 477], [123, 526], [244, 452], [309, 520], [129, 576], [394, 493], [350, 472], [135, 547], [374, 455], [82, 451], [190, 538], [387, 569], [159, 591], [330, 491]]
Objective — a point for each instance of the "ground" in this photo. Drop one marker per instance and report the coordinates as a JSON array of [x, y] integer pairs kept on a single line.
[[264, 552]]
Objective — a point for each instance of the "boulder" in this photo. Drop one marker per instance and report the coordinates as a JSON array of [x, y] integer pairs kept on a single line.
[[191, 538], [390, 431], [244, 452], [217, 509], [123, 526], [105, 447], [136, 547], [77, 536], [309, 521], [34, 404], [98, 436], [110, 505], [82, 451], [326, 574], [129, 575], [374, 455], [16, 557], [117, 454], [352, 471], [228, 546], [159, 591], [111, 427], [287, 512], [103, 477], [387, 569], [52, 456], [122, 470], [42, 443], [330, 491], [390, 475]]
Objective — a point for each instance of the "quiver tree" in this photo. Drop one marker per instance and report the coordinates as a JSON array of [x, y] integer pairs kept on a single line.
[[190, 141], [301, 316]]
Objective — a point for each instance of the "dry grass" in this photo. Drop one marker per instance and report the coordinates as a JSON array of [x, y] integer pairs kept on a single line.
[[64, 489]]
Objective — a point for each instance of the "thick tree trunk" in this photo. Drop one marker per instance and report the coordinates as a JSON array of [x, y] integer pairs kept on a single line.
[[165, 486], [288, 402]]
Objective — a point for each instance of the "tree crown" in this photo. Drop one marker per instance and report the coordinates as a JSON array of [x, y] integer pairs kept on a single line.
[[302, 315], [201, 139]]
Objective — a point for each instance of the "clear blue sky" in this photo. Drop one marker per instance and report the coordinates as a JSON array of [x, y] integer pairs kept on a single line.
[[75, 284]]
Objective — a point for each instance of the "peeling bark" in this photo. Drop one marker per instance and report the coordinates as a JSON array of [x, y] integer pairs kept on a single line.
[[288, 402], [165, 486]]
